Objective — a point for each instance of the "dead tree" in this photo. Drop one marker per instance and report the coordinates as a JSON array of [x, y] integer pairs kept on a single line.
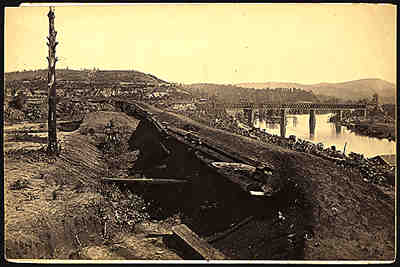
[[51, 83]]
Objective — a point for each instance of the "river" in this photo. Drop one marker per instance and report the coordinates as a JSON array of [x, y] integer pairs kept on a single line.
[[330, 134]]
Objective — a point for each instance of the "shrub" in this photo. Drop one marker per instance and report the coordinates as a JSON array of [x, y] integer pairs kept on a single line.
[[18, 102]]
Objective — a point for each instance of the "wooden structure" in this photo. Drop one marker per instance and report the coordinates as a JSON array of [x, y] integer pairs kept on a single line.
[[249, 111], [204, 249], [144, 181], [221, 235]]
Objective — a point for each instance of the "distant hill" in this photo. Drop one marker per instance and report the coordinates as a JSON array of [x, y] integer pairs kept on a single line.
[[235, 93], [351, 90], [83, 75], [256, 85]]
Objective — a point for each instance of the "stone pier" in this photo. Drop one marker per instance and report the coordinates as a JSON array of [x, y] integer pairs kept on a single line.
[[283, 122], [338, 128], [364, 114], [312, 123], [339, 115], [249, 114], [261, 114]]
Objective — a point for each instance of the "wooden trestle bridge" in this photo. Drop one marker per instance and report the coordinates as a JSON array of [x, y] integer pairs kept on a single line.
[[250, 108]]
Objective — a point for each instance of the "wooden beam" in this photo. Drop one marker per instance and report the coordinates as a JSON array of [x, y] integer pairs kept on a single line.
[[144, 180], [195, 242], [225, 233]]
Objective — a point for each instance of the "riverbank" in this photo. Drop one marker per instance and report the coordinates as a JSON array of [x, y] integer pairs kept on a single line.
[[371, 129], [372, 171], [377, 126]]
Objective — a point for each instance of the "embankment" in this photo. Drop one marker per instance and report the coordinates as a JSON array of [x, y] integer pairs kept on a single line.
[[332, 205]]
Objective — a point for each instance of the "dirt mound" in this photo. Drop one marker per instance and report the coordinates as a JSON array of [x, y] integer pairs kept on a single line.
[[96, 122]]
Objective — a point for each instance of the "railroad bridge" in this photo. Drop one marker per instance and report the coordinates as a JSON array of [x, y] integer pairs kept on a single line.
[[249, 109]]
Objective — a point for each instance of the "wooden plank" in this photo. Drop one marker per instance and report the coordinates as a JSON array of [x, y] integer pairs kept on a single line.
[[258, 193], [225, 233], [145, 180], [166, 234], [240, 174], [199, 245]]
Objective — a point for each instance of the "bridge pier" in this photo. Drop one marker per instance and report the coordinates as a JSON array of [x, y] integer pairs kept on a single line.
[[364, 114], [261, 114], [294, 122], [312, 123], [339, 115], [249, 114], [283, 122], [268, 113], [338, 128]]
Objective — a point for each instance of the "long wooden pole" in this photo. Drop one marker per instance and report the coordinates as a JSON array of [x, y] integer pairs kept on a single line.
[[51, 83]]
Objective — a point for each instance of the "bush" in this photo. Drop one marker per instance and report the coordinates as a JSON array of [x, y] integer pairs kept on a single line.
[[121, 208], [18, 102], [20, 184], [12, 114]]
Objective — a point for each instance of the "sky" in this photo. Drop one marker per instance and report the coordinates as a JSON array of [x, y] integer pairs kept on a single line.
[[214, 43]]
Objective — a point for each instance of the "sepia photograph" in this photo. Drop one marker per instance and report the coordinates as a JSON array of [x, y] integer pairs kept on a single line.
[[200, 133]]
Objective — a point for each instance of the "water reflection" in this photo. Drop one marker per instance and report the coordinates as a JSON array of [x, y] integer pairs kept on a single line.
[[312, 122], [294, 119], [338, 128], [331, 134]]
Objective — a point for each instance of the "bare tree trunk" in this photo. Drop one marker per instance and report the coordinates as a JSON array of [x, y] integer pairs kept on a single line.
[[51, 82]]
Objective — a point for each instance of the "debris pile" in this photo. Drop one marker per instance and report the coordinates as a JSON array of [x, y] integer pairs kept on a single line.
[[126, 209]]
